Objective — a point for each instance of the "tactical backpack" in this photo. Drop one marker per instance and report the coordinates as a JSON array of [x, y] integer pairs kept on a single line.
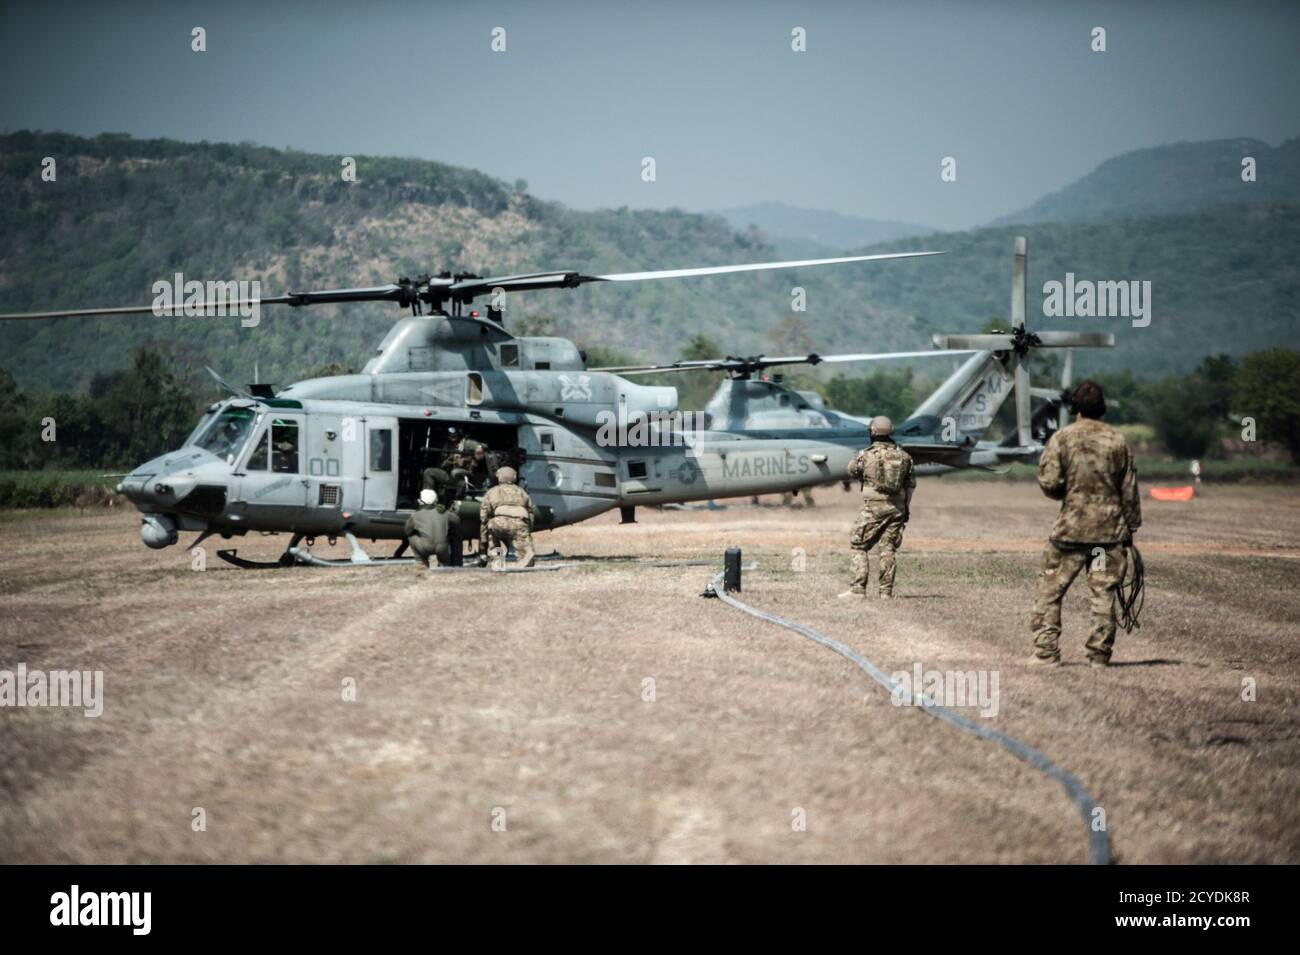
[[885, 473]]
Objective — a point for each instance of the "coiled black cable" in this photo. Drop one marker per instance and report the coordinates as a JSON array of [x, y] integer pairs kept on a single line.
[[1131, 593]]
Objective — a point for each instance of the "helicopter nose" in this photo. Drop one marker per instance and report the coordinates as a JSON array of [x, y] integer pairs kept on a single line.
[[135, 487], [159, 490]]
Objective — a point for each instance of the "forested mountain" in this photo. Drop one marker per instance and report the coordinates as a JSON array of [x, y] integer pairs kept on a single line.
[[1223, 280], [1174, 179], [805, 233], [124, 213]]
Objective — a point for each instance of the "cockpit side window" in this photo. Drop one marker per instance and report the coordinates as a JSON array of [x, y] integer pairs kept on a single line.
[[226, 434], [284, 446]]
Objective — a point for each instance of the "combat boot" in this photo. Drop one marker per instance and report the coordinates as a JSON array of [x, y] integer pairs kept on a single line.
[[852, 592], [1037, 661]]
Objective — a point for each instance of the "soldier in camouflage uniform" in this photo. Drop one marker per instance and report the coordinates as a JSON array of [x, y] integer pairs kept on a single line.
[[470, 465], [1088, 467], [507, 515], [888, 480], [459, 451]]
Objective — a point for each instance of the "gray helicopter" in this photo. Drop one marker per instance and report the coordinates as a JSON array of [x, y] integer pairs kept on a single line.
[[343, 456], [945, 432]]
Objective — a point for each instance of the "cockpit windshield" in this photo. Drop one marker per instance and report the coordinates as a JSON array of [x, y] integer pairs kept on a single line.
[[201, 428], [226, 433]]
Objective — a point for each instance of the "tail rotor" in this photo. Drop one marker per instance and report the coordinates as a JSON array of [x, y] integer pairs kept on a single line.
[[1014, 349], [1024, 427]]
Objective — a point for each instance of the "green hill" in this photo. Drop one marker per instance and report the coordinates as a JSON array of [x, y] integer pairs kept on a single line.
[[1224, 280], [805, 233], [124, 213], [1169, 180]]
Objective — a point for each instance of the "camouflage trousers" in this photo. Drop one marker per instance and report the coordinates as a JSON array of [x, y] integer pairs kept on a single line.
[[1061, 564], [510, 530], [879, 525]]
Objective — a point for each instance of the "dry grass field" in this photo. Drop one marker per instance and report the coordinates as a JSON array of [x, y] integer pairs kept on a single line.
[[521, 698]]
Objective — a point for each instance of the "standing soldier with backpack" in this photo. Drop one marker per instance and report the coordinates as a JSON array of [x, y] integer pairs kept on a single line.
[[1088, 467], [887, 477]]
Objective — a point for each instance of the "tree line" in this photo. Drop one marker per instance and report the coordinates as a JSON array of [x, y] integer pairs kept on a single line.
[[123, 417]]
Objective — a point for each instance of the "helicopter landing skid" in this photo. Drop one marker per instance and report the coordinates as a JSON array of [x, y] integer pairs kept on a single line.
[[359, 557], [243, 563], [294, 555], [231, 556], [304, 556]]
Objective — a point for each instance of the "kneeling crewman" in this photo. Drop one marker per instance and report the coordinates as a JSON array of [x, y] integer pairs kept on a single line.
[[434, 531], [887, 477], [507, 516]]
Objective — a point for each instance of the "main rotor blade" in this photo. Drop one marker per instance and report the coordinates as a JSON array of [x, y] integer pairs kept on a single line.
[[752, 267], [380, 293], [994, 342], [377, 293], [435, 291], [1076, 339], [469, 288], [979, 342], [1024, 413], [237, 392], [884, 355], [759, 362], [77, 312]]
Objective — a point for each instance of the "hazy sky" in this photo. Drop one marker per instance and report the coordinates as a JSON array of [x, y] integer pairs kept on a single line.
[[711, 90]]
